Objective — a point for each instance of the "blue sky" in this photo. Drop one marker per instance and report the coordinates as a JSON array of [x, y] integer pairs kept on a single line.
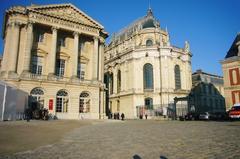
[[210, 26]]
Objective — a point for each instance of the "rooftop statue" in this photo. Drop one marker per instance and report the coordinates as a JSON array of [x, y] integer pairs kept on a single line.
[[187, 46]]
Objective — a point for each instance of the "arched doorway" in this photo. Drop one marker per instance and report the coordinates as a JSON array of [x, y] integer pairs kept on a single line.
[[84, 102], [62, 101], [148, 103], [37, 98]]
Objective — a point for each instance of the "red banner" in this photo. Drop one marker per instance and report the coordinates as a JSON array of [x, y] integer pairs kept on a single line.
[[50, 104]]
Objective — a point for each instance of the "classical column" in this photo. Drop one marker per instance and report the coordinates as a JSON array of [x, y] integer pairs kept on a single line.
[[52, 55], [7, 48], [95, 59], [28, 48], [75, 55], [101, 61], [14, 47]]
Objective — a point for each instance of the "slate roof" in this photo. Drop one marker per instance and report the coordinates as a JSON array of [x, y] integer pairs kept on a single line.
[[233, 51]]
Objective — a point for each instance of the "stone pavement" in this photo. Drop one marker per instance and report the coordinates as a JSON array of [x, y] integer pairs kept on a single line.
[[145, 139]]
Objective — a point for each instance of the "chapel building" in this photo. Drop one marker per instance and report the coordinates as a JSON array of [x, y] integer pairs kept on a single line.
[[144, 72]]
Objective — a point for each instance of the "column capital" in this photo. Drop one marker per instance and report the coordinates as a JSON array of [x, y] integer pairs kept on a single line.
[[95, 38], [75, 33], [102, 40], [54, 28], [13, 24], [29, 25]]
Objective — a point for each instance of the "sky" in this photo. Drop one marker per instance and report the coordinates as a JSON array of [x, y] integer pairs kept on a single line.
[[210, 26]]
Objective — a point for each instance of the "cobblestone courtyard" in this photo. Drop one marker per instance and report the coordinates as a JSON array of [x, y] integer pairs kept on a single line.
[[135, 139]]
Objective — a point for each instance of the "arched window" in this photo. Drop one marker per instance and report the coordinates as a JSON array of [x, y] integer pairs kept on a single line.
[[149, 42], [148, 103], [111, 83], [119, 81], [148, 76], [177, 77], [62, 101], [118, 105], [37, 98], [84, 103]]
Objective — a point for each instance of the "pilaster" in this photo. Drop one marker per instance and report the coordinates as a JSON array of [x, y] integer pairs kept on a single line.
[[52, 55], [14, 48], [28, 48], [95, 64], [101, 60], [7, 48], [75, 55]]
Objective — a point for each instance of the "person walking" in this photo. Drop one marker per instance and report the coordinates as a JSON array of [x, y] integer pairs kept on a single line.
[[122, 116]]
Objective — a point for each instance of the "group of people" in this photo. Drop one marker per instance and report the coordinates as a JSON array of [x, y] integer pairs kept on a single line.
[[116, 116], [141, 116]]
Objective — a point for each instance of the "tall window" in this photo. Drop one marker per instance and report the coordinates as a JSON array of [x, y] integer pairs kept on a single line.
[[61, 41], [62, 101], [149, 103], [84, 103], [177, 77], [81, 70], [60, 67], [118, 105], [37, 97], [119, 81], [149, 42], [111, 83], [148, 76], [40, 37], [37, 65]]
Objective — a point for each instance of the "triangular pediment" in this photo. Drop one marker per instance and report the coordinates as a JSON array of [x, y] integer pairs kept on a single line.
[[67, 12]]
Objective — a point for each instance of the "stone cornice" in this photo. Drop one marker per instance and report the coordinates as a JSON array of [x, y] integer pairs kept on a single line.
[[231, 59], [63, 18], [66, 5], [53, 21]]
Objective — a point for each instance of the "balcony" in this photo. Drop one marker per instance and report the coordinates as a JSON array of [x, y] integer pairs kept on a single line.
[[49, 78]]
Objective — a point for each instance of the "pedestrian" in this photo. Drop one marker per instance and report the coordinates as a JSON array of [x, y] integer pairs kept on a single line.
[[122, 116], [118, 116], [28, 114], [146, 116]]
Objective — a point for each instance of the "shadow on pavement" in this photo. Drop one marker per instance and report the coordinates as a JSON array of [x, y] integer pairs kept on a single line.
[[138, 157]]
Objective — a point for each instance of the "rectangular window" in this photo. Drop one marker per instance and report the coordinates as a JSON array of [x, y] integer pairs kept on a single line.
[[234, 76], [60, 67], [40, 37], [37, 65], [61, 41], [81, 70]]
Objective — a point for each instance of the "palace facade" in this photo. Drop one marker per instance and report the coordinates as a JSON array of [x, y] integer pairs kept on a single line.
[[231, 74], [55, 53], [143, 70]]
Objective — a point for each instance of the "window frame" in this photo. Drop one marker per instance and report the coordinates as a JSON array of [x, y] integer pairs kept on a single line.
[[148, 77]]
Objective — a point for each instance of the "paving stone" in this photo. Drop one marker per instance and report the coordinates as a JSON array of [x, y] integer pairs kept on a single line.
[[145, 139]]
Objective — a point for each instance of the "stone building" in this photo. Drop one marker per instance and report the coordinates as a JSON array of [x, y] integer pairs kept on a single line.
[[55, 54], [207, 93], [200, 76], [231, 74], [143, 70]]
